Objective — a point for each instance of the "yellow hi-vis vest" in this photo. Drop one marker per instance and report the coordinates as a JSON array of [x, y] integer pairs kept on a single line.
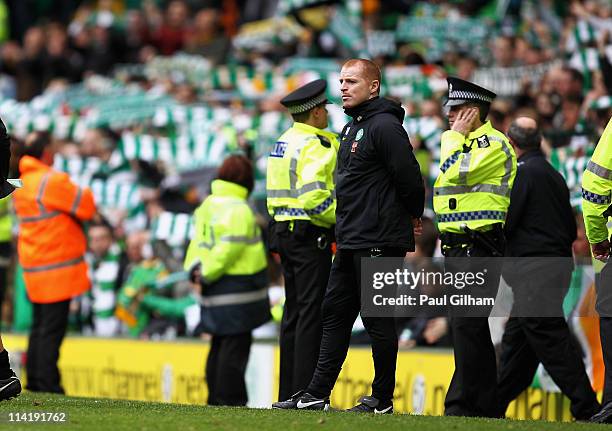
[[6, 220], [227, 241], [475, 179], [300, 178], [597, 189]]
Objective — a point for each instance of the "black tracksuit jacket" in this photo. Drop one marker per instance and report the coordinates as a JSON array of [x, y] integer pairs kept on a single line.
[[379, 186]]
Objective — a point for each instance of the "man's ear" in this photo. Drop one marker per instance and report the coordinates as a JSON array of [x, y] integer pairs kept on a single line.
[[375, 86]]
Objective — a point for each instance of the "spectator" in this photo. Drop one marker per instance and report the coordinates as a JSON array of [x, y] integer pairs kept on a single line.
[[106, 265], [170, 36], [51, 248]]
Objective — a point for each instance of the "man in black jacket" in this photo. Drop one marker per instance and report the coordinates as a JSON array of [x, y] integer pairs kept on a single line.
[[380, 197], [540, 230]]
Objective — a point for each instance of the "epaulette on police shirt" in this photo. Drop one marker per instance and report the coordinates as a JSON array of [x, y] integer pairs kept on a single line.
[[324, 141]]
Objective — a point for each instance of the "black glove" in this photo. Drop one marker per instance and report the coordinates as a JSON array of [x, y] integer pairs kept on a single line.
[[5, 151], [5, 161], [194, 273]]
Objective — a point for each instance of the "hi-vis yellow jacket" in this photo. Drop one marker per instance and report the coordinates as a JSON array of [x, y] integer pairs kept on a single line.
[[227, 244], [300, 179], [597, 188], [475, 179], [227, 240]]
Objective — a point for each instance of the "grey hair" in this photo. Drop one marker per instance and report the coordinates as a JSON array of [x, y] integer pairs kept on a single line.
[[525, 138]]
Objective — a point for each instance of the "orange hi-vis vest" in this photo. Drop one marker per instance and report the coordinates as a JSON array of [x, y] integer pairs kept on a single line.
[[51, 243]]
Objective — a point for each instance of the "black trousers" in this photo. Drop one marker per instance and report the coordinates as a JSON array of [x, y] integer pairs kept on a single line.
[[529, 340], [341, 306], [473, 387], [604, 307], [48, 329], [306, 265], [5, 261], [225, 367]]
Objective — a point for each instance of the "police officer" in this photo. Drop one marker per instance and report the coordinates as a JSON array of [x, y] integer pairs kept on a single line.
[[540, 229], [380, 192], [597, 211], [471, 197], [302, 202]]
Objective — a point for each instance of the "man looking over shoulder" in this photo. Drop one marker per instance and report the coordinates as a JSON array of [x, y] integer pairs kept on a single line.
[[380, 197]]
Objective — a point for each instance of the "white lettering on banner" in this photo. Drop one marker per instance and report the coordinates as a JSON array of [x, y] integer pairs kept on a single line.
[[507, 81]]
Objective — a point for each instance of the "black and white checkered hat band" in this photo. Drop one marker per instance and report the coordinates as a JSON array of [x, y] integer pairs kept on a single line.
[[468, 95], [308, 105]]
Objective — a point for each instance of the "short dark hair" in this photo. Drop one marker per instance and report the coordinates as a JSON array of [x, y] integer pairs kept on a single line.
[[35, 144], [302, 117], [575, 74], [525, 138], [483, 109], [239, 170], [100, 221]]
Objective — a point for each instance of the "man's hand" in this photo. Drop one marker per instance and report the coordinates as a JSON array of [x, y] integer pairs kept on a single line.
[[601, 250], [464, 123], [417, 226], [435, 329]]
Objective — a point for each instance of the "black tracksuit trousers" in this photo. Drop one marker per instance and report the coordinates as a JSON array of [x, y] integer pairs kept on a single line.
[[530, 340], [341, 306]]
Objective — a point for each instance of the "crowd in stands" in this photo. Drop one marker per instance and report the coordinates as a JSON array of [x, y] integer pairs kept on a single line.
[[145, 98]]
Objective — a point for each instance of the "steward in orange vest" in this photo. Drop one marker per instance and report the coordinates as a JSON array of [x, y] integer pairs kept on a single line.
[[51, 243]]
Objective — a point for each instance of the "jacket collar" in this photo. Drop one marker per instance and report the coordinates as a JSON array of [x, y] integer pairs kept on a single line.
[[530, 155], [226, 188], [376, 105], [311, 129], [29, 163], [486, 128]]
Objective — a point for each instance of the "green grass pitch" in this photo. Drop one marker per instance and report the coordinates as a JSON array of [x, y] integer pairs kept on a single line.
[[114, 415]]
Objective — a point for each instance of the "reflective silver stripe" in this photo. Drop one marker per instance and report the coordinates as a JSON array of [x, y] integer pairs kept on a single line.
[[234, 298], [41, 191], [496, 138], [293, 170], [483, 188], [505, 180], [293, 193], [42, 268], [77, 201], [293, 167], [240, 238], [294, 162], [316, 185], [464, 168], [44, 216], [599, 170], [280, 193]]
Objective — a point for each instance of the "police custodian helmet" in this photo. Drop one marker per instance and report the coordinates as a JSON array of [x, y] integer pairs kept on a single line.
[[306, 97], [461, 91]]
